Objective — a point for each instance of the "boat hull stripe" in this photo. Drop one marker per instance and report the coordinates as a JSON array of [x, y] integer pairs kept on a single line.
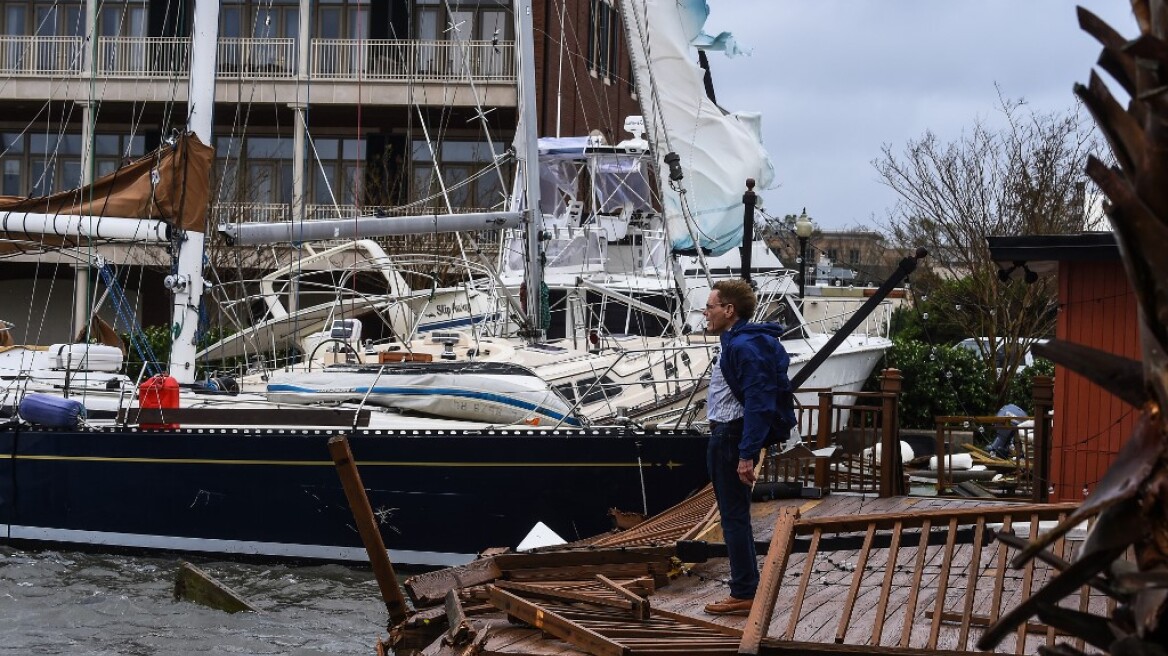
[[329, 463], [432, 391], [241, 547]]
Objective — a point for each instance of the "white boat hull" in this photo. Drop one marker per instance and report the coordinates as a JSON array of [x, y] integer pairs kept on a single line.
[[482, 392]]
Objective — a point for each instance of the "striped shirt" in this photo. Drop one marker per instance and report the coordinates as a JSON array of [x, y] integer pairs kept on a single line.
[[721, 406]]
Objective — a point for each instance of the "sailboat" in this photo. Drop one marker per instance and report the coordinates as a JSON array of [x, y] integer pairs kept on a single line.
[[240, 476], [246, 473], [655, 250]]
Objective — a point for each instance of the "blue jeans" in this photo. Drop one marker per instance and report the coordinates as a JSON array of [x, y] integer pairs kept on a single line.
[[734, 507]]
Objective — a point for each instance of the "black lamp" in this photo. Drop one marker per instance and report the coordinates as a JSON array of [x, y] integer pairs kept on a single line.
[[803, 229]]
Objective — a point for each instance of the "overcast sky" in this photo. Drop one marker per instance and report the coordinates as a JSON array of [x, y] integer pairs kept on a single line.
[[837, 79]]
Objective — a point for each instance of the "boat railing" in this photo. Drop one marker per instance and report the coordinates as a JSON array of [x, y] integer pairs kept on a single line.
[[276, 58], [876, 325], [601, 378]]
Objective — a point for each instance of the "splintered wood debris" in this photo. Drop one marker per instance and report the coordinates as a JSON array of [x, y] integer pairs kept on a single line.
[[842, 575]]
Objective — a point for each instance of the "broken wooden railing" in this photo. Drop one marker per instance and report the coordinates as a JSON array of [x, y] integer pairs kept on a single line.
[[865, 426], [920, 581], [1003, 477], [1024, 474]]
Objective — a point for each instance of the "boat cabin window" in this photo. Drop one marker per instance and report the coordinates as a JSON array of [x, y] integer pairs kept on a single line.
[[588, 390], [575, 249]]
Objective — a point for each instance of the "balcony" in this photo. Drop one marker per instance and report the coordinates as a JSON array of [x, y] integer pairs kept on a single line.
[[122, 64]]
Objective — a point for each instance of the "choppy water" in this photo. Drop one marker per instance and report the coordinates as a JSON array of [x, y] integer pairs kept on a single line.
[[55, 602]]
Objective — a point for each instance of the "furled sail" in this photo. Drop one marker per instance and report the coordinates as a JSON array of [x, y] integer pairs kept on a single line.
[[171, 184], [718, 150]]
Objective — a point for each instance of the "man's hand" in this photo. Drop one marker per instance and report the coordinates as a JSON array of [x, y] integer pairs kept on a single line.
[[746, 472]]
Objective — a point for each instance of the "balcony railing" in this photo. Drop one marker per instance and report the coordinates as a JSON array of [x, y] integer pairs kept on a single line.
[[421, 61], [45, 56], [330, 59], [257, 58]]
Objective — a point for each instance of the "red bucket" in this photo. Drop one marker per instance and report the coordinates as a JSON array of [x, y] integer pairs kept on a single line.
[[158, 393]]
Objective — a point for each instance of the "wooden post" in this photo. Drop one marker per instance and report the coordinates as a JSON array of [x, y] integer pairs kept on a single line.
[[1040, 465], [891, 469], [939, 447], [395, 602], [822, 440], [195, 585], [771, 578]]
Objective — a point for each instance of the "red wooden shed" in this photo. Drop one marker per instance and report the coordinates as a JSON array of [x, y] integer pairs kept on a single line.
[[1096, 308]]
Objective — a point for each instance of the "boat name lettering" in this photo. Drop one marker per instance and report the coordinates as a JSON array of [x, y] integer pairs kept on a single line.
[[453, 308]]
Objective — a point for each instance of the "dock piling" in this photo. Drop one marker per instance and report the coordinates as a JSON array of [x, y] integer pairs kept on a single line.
[[342, 456]]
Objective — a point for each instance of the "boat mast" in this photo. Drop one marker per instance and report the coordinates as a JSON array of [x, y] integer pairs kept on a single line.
[[81, 288], [187, 283], [527, 153]]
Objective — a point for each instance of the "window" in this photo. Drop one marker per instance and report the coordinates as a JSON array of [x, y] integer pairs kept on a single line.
[[474, 20], [253, 170], [42, 18], [336, 175], [632, 80], [602, 26], [463, 21], [854, 256], [40, 164], [458, 162]]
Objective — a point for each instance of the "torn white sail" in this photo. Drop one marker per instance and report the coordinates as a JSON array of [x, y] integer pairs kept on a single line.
[[718, 150]]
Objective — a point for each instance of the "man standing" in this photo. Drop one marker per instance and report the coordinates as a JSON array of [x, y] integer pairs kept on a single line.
[[749, 404]]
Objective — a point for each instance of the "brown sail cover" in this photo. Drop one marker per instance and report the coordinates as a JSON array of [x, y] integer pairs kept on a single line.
[[179, 197]]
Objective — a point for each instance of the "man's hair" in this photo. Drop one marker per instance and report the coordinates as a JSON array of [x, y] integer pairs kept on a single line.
[[738, 293]]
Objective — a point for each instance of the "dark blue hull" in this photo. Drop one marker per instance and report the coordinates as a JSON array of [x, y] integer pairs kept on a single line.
[[274, 493]]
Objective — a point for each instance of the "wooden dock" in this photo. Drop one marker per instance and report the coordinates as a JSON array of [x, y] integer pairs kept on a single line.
[[848, 573]]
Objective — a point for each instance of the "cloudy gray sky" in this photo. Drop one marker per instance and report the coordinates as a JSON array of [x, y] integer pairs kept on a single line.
[[836, 79]]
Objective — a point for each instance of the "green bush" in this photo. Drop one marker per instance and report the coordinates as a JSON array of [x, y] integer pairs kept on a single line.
[[906, 323], [159, 339], [938, 381], [1021, 392]]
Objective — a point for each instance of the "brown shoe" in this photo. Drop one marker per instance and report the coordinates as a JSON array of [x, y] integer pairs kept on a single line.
[[730, 606]]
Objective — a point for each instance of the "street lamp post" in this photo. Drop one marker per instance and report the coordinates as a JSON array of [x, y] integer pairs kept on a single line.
[[803, 229]]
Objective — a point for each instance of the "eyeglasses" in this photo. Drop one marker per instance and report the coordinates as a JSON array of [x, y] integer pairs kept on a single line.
[[711, 306]]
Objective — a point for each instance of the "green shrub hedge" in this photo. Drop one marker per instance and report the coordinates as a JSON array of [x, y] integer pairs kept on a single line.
[[950, 381]]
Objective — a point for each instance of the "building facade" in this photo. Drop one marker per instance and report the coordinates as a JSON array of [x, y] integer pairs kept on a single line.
[[323, 108]]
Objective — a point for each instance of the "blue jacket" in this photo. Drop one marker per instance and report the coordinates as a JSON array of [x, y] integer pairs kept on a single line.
[[754, 364]]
